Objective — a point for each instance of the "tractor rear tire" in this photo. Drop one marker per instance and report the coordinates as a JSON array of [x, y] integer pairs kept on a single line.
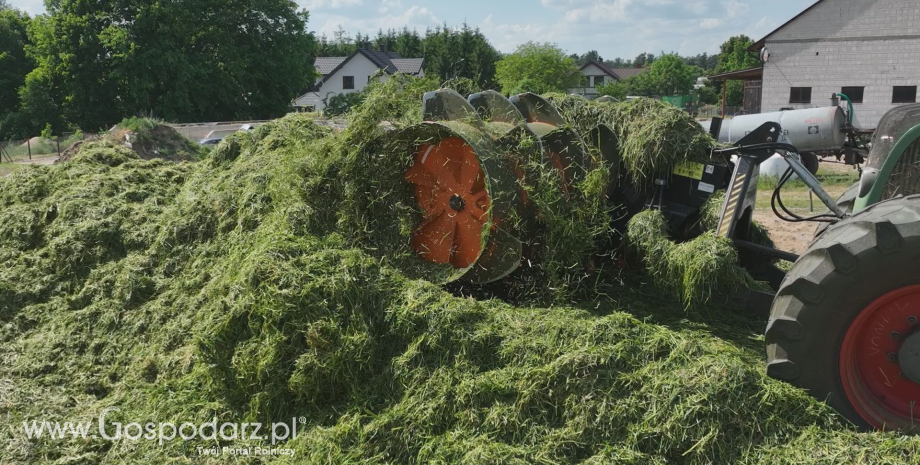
[[825, 301], [846, 201]]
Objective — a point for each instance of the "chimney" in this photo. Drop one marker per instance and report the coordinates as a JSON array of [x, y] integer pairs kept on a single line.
[[367, 46], [384, 48]]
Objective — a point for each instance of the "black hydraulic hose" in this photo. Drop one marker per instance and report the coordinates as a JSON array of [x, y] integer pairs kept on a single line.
[[767, 145], [793, 218]]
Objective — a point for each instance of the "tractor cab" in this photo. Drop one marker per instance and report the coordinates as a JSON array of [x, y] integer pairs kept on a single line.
[[894, 162]]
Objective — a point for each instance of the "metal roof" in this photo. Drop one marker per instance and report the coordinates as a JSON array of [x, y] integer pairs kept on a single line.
[[408, 65], [325, 65], [310, 99], [616, 73], [623, 73], [380, 59], [750, 74]]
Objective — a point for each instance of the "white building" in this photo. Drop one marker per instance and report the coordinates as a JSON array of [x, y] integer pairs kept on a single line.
[[343, 75], [868, 50], [597, 74]]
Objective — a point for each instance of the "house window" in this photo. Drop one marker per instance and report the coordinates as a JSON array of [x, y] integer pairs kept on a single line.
[[800, 95], [904, 94], [598, 81], [348, 82], [854, 93]]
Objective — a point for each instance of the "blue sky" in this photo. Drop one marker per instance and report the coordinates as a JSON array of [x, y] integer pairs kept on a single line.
[[615, 28]]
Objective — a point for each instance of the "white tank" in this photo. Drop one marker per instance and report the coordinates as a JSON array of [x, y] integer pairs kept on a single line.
[[811, 130]]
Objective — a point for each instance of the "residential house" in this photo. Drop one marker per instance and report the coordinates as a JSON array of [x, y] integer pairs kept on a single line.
[[598, 73], [868, 50], [343, 75]]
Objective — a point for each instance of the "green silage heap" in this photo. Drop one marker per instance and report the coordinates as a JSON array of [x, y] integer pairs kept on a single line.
[[256, 286]]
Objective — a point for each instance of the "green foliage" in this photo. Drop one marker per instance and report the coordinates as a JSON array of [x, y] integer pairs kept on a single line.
[[695, 270], [47, 132], [15, 64], [709, 95], [449, 53], [667, 75], [733, 56], [340, 104], [619, 89], [539, 68], [138, 124], [643, 60], [592, 55], [460, 53], [181, 61]]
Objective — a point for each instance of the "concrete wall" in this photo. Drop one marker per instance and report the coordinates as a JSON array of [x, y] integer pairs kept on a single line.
[[868, 43]]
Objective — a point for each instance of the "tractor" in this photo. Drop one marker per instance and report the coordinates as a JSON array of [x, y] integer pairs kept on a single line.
[[843, 321]]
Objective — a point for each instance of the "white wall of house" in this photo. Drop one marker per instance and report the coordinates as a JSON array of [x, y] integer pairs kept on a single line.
[[359, 67], [862, 43], [592, 75]]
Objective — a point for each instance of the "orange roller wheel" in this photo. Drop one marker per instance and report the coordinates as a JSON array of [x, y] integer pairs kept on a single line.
[[450, 188]]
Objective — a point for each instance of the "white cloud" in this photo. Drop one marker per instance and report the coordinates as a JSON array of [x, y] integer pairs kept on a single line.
[[387, 5], [415, 17], [710, 23], [736, 9], [328, 4], [507, 36]]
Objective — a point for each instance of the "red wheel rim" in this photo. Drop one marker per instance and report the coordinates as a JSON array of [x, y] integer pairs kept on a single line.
[[450, 189], [869, 370]]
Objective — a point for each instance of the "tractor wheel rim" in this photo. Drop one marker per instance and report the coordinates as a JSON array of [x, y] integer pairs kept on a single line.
[[870, 370], [450, 188]]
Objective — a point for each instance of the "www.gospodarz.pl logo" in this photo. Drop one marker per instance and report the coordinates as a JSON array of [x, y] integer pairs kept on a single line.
[[168, 431]]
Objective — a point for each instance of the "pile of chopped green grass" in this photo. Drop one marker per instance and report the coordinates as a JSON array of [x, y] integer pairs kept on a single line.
[[699, 269], [149, 138], [695, 270], [654, 136], [240, 287], [583, 114]]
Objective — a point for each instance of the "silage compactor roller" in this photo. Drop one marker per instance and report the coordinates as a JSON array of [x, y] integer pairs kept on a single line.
[[844, 321], [469, 160]]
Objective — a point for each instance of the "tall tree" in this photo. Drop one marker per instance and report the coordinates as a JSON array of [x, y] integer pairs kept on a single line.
[[540, 68], [620, 63], [409, 44], [184, 61], [449, 53], [592, 55], [460, 53], [643, 60], [669, 75], [733, 56], [14, 66]]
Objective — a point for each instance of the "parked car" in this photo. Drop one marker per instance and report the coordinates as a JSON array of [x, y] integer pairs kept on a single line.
[[210, 141]]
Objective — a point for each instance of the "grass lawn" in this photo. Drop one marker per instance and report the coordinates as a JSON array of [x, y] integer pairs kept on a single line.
[[7, 168], [835, 178]]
